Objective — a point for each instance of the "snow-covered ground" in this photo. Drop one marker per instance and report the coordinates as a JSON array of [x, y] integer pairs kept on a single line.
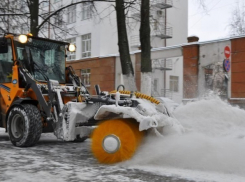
[[54, 161], [211, 149]]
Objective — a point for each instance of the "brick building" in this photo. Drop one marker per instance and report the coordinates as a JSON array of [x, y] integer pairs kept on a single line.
[[182, 72]]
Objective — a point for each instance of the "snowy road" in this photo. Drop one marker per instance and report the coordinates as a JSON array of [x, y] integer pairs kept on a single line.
[[210, 150], [52, 160]]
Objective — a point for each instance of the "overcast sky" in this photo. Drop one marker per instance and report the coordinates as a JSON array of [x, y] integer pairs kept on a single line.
[[213, 24]]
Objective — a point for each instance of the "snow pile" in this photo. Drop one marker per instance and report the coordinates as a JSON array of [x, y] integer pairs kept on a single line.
[[214, 141]]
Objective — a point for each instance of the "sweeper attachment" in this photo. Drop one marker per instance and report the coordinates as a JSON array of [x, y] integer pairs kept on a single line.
[[39, 94], [124, 123]]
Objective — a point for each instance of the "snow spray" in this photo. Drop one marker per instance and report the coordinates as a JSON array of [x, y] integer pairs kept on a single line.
[[214, 140]]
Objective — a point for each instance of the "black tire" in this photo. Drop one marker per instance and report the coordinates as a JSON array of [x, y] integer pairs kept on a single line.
[[24, 125]]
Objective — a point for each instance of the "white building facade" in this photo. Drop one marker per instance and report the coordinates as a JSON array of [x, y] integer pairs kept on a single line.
[[93, 27]]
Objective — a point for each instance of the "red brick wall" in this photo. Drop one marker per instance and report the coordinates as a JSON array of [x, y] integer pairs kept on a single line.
[[238, 68], [190, 71], [102, 72]]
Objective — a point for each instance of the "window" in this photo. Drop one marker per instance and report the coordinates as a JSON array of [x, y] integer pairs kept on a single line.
[[45, 3], [22, 5], [85, 75], [23, 29], [58, 19], [45, 26], [174, 83], [55, 1], [6, 64], [86, 11], [41, 56], [155, 25], [155, 84], [86, 45], [14, 5], [14, 29], [71, 14], [71, 55]]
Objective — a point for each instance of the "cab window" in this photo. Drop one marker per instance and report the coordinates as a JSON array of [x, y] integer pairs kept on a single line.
[[6, 63]]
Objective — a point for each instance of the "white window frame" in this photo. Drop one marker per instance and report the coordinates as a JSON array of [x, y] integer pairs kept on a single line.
[[86, 11], [58, 19], [85, 76], [155, 84], [45, 3], [71, 55], [71, 14], [86, 45], [174, 83]]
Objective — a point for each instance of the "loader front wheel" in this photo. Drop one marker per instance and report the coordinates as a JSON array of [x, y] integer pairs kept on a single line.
[[24, 125], [116, 140]]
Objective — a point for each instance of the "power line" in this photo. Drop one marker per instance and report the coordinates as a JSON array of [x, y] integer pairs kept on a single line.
[[210, 10], [205, 14]]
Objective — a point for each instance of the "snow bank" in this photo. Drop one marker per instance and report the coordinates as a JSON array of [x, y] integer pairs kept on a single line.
[[214, 142]]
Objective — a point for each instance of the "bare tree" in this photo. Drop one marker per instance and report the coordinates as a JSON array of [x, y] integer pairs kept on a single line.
[[30, 14], [126, 63], [237, 24], [13, 16], [145, 41]]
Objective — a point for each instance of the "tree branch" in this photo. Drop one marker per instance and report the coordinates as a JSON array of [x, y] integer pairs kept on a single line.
[[60, 9]]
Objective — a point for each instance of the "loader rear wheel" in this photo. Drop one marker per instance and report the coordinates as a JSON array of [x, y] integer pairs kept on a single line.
[[24, 125], [116, 140]]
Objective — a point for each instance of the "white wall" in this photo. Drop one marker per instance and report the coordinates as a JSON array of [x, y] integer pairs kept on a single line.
[[103, 27], [177, 17], [175, 55], [176, 71], [107, 31], [171, 53]]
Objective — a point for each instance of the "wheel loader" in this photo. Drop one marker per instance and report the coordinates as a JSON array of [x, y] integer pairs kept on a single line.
[[39, 94]]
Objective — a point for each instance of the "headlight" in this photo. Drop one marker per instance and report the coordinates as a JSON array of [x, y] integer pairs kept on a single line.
[[22, 39], [71, 48]]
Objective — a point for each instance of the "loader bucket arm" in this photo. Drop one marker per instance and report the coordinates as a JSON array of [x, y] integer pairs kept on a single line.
[[31, 83]]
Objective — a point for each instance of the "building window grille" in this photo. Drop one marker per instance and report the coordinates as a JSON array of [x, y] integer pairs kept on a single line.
[[86, 11], [85, 76], [174, 83], [71, 14], [155, 84], [86, 45]]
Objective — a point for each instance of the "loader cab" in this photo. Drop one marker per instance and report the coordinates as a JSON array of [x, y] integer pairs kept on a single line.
[[44, 59], [6, 60]]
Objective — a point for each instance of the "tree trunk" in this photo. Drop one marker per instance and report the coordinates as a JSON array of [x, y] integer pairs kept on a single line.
[[34, 12], [126, 63], [145, 41]]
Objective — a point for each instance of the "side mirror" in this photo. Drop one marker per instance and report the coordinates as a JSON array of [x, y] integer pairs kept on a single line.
[[3, 45]]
